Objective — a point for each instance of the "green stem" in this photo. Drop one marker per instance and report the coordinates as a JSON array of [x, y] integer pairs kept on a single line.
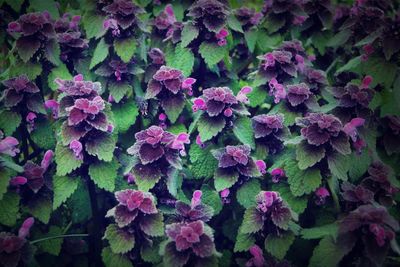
[[57, 236], [334, 195]]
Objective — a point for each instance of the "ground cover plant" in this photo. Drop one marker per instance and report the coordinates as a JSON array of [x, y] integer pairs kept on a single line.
[[199, 133]]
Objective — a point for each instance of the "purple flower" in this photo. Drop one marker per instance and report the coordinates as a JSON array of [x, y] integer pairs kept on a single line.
[[25, 227], [277, 90], [30, 119], [265, 125], [196, 198], [47, 159], [321, 193], [350, 128], [21, 88], [124, 14], [199, 104], [242, 95], [209, 13], [187, 84], [18, 180], [77, 148], [258, 259], [11, 249], [8, 146], [199, 142], [298, 94], [353, 95], [356, 194], [53, 106], [261, 166], [221, 36], [277, 174]]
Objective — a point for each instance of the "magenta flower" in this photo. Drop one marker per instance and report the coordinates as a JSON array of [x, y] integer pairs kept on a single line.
[[277, 90], [187, 84], [258, 259], [321, 193], [8, 146], [242, 95], [47, 159], [77, 148], [53, 106], [350, 128], [221, 36], [366, 82], [199, 104], [298, 94], [199, 142], [30, 119], [180, 141], [18, 180], [277, 174], [261, 166], [196, 198], [25, 227]]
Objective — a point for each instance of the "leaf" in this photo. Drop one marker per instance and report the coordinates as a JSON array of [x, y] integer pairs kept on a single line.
[[234, 23], [390, 47], [63, 188], [43, 134], [224, 179], [173, 106], [302, 182], [32, 70], [150, 253], [353, 64], [174, 181], [382, 71], [52, 246], [244, 242], [250, 188], [9, 207], [278, 246], [189, 33], [52, 52], [100, 54], [251, 39], [359, 164], [203, 162], [111, 259], [308, 155], [297, 204], [320, 231], [209, 127], [9, 121], [66, 160], [41, 209], [243, 130], [121, 241], [252, 221], [211, 198], [153, 224], [146, 177], [14, 4], [257, 97], [125, 48], [290, 117], [48, 5], [104, 174], [339, 165], [79, 204], [182, 59], [119, 89], [5, 176], [125, 115], [102, 147], [61, 72], [27, 47], [93, 24], [212, 53], [328, 253], [340, 38]]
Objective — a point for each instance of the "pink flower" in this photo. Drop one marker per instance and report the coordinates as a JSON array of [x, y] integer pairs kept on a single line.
[[110, 128], [322, 193], [298, 20], [187, 84], [261, 166], [130, 178], [221, 35], [269, 60], [8, 146], [277, 90], [47, 159], [30, 119], [224, 193], [199, 142], [277, 174], [258, 258], [180, 141], [242, 95], [199, 104], [162, 117], [53, 106], [196, 198], [18, 180], [25, 228], [366, 82], [228, 112], [350, 128], [379, 233], [368, 49], [14, 27], [359, 145], [76, 147]]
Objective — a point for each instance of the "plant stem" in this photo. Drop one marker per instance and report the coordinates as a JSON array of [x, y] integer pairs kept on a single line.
[[57, 236], [334, 195]]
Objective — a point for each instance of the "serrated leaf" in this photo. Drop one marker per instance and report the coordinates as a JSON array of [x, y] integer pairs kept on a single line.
[[32, 70], [121, 241], [243, 130], [43, 134], [209, 127], [359, 164], [119, 89], [250, 188], [302, 182], [339, 165], [52, 246], [5, 176], [308, 155], [173, 107], [328, 253], [211, 198], [320, 231], [9, 206], [125, 115], [251, 39], [66, 160], [212, 53], [79, 204], [189, 33], [290, 117], [174, 181], [93, 24], [9, 121], [257, 97], [27, 47], [63, 188], [104, 174], [182, 59], [125, 48], [52, 52], [382, 71], [340, 38], [150, 253], [252, 221], [100, 53], [244, 242], [111, 259], [297, 204], [48, 5], [153, 225], [41, 209], [278, 246], [102, 146], [61, 72], [224, 179], [145, 180], [203, 162], [234, 23]]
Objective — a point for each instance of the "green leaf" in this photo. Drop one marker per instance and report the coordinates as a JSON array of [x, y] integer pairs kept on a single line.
[[320, 231], [290, 117], [212, 53], [102, 147], [15, 4], [173, 107], [93, 25], [61, 72], [251, 39], [203, 162], [63, 188], [359, 164], [339, 165], [5, 176], [66, 160], [79, 204], [100, 53], [302, 182], [353, 64], [297, 204], [144, 180], [125, 115], [52, 52], [120, 241], [278, 246], [308, 155], [252, 221], [224, 179], [52, 246], [32, 70], [174, 181], [189, 33], [340, 38], [209, 127], [244, 242], [211, 198], [9, 207], [111, 259], [250, 188], [328, 253], [125, 48], [9, 121], [243, 130], [48, 5], [382, 71], [257, 97], [26, 48], [153, 225], [234, 23], [119, 89], [43, 134], [41, 209], [150, 253], [104, 174], [182, 59], [390, 47]]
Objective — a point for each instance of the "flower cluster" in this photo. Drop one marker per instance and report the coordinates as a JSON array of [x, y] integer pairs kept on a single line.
[[8, 145], [209, 14], [291, 11], [269, 131], [271, 207], [195, 211], [352, 95], [248, 17], [167, 24]]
